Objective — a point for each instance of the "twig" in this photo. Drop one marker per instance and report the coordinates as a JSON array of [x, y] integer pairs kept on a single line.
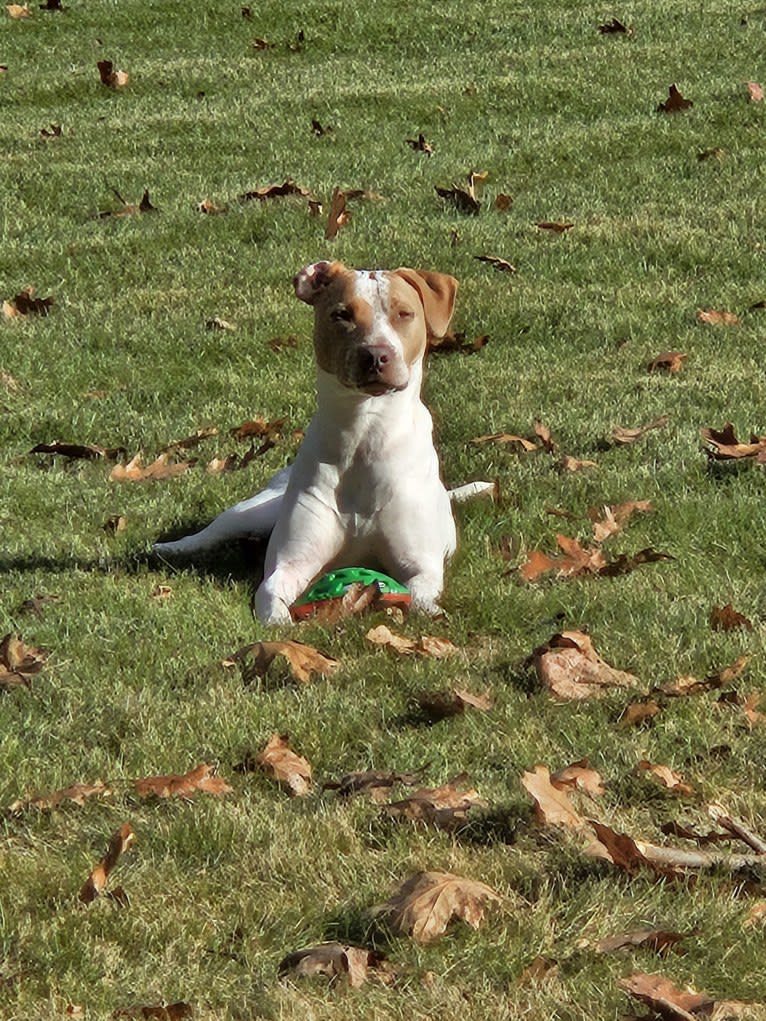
[[683, 858], [737, 828]]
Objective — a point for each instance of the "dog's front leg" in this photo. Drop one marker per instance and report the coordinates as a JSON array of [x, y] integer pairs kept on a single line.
[[426, 588]]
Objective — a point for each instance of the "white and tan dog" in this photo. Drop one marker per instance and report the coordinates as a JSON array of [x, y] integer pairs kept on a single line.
[[364, 489]]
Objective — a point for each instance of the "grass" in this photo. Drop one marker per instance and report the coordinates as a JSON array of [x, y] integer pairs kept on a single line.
[[562, 118]]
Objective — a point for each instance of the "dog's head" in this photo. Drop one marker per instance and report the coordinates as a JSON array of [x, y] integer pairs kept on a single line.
[[371, 327]]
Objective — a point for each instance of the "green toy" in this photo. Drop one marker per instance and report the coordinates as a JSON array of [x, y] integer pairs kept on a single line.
[[335, 584]]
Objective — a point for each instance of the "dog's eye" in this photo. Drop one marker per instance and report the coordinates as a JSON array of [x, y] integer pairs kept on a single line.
[[405, 313], [342, 315]]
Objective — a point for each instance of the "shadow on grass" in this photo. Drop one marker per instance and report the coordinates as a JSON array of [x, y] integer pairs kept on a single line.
[[357, 926]]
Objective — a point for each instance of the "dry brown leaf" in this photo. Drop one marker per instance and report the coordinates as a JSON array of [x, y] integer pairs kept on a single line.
[[675, 103], [110, 76], [622, 435], [25, 303], [662, 996], [503, 202], [339, 214], [18, 10], [754, 92], [283, 765], [579, 776], [9, 382], [569, 667], [506, 438], [420, 144], [232, 462], [639, 712], [683, 686], [275, 191], [277, 344], [552, 805], [333, 961], [78, 794], [358, 598], [200, 780], [425, 646], [667, 776], [670, 361], [577, 560], [554, 228], [444, 807], [756, 915], [160, 593], [615, 517], [96, 882], [572, 464], [452, 702], [726, 618], [661, 941], [78, 451], [623, 851], [223, 325], [36, 604], [747, 703], [427, 902], [129, 208], [614, 27], [496, 263], [209, 207], [19, 662], [115, 524], [457, 343], [724, 445], [717, 153], [461, 198], [161, 468], [373, 782], [302, 661], [717, 317], [164, 1012], [258, 427], [189, 442]]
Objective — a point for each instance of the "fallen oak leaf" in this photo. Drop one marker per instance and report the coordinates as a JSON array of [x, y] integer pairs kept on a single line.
[[683, 686], [96, 882], [554, 228], [756, 915], [726, 618], [420, 144], [302, 661], [717, 317], [333, 961], [189, 442], [540, 969], [200, 780], [209, 208], [18, 11], [675, 103], [568, 666], [747, 703], [576, 560], [754, 92], [78, 794], [552, 806], [161, 468], [615, 517], [638, 712], [441, 705], [661, 941], [506, 439], [457, 343], [223, 325], [233, 462], [282, 764], [339, 214], [724, 445], [79, 451], [25, 304], [572, 464], [110, 76], [374, 782], [623, 435], [496, 262], [426, 903], [463, 200], [662, 996], [445, 807], [19, 662], [258, 427], [670, 361], [667, 776], [627, 562], [503, 202], [579, 776], [426, 645], [275, 191]]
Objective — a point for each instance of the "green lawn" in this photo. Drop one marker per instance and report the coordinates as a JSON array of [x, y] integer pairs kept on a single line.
[[564, 119]]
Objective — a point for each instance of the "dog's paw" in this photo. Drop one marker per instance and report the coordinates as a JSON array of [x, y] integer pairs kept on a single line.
[[169, 549]]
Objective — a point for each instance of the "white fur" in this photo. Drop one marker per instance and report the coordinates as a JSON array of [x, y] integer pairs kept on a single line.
[[364, 490]]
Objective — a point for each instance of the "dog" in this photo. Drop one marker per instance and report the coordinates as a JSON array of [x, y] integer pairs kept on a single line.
[[365, 488]]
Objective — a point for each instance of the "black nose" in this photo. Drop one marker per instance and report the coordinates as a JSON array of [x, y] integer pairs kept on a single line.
[[372, 360]]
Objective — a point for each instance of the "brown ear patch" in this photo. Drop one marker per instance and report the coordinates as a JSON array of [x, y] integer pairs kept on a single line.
[[437, 294], [312, 279]]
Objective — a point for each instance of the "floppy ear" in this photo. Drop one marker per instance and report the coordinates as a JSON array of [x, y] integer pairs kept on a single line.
[[311, 280], [437, 293]]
